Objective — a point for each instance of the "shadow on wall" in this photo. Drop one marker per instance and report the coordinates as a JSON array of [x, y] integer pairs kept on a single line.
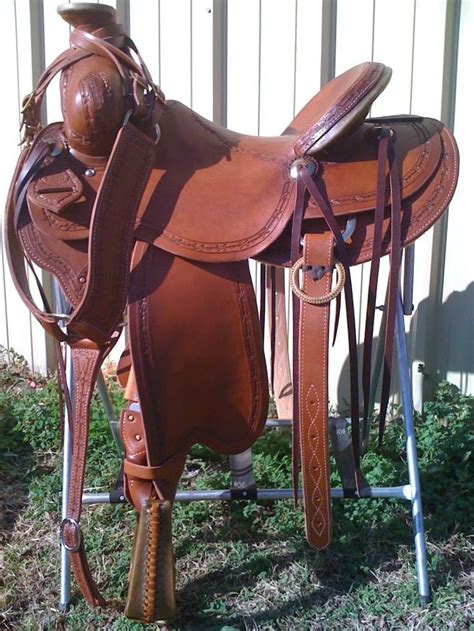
[[454, 346]]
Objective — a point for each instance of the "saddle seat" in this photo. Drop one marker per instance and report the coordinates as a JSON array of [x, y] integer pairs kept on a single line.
[[195, 158]]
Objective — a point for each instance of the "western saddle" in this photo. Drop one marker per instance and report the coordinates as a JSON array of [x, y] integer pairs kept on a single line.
[[137, 203]]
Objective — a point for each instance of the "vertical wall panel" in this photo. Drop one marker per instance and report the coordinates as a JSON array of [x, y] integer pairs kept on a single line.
[[56, 39], [146, 33], [202, 57], [308, 51], [393, 45], [30, 60], [18, 322], [428, 53], [243, 65], [274, 61], [426, 99], [277, 65], [355, 22], [456, 326], [175, 38], [10, 137]]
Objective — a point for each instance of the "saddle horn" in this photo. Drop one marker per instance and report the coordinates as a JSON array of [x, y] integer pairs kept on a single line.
[[92, 89]]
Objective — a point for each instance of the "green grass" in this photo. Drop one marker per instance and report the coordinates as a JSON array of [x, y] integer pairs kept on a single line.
[[241, 565]]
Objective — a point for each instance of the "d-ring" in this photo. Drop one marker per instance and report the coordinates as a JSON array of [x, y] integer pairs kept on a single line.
[[316, 300]]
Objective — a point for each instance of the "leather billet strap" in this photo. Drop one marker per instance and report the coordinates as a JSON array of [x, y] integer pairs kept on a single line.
[[87, 359], [313, 390], [386, 157], [307, 184]]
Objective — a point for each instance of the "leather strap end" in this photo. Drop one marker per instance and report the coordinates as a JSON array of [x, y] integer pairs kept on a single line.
[[169, 470], [313, 394]]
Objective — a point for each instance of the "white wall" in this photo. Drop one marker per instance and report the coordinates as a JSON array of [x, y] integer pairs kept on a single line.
[[274, 54]]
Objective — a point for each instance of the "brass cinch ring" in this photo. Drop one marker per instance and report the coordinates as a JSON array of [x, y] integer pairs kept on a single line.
[[317, 300]]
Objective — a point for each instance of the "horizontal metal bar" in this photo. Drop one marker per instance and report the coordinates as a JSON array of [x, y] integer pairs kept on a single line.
[[397, 492], [286, 422], [102, 498], [278, 422]]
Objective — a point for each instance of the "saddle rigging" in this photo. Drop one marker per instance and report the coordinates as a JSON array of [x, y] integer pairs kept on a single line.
[[137, 203]]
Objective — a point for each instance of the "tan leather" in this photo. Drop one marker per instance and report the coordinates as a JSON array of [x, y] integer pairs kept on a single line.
[[92, 105], [196, 206], [282, 382], [87, 16], [313, 393], [205, 360], [151, 582], [196, 158]]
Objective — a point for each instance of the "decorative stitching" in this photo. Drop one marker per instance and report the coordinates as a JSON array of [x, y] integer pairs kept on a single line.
[[360, 89]]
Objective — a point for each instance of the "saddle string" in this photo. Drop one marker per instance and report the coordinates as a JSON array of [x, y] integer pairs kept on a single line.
[[296, 230], [393, 286], [382, 157], [262, 312], [271, 281]]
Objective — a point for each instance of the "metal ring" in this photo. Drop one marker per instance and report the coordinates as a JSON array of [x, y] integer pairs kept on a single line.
[[316, 300], [77, 534]]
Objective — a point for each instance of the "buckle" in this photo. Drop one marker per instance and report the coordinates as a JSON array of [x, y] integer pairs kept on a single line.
[[69, 521]]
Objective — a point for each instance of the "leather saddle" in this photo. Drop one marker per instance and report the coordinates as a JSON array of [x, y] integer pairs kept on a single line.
[[136, 202]]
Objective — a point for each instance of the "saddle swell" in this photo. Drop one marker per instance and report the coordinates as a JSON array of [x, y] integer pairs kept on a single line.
[[140, 203], [257, 194]]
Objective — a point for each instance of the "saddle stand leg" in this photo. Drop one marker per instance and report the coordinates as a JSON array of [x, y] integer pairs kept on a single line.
[[412, 459], [65, 586]]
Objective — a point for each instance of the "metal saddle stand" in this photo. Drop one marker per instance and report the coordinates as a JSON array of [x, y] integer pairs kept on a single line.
[[243, 484]]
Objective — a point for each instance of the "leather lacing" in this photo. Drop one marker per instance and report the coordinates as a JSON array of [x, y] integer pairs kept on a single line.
[[154, 541]]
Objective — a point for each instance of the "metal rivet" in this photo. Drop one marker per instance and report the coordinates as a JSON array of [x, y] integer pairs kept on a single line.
[[82, 279], [89, 172], [138, 437], [130, 417], [301, 163]]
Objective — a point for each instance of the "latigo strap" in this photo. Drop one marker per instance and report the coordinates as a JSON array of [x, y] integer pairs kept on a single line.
[[313, 390]]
